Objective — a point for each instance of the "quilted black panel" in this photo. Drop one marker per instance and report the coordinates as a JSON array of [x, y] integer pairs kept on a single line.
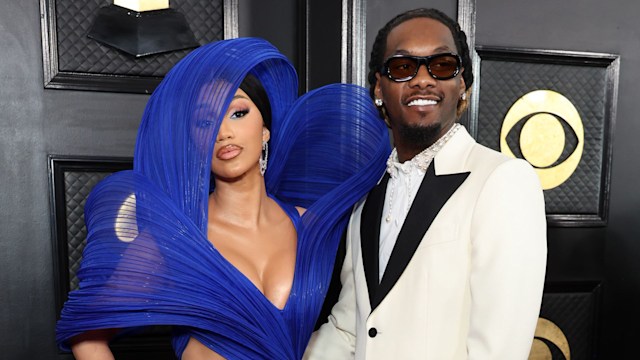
[[78, 53], [575, 314], [504, 82], [77, 186]]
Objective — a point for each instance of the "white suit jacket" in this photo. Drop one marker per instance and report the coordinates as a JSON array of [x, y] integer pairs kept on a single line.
[[466, 275]]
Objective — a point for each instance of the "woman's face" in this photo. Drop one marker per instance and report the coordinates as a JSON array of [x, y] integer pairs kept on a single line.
[[239, 142]]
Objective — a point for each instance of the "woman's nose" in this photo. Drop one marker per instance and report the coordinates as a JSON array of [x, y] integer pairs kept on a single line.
[[225, 131]]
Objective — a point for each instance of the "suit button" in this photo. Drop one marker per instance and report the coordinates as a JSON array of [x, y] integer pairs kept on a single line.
[[373, 332]]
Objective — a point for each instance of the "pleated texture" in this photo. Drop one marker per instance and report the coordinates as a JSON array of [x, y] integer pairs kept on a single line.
[[148, 261]]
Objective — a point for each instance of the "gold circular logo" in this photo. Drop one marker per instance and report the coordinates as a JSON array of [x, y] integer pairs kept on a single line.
[[542, 139], [547, 330]]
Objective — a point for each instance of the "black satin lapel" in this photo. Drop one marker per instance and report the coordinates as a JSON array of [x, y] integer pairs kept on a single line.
[[370, 233], [431, 197]]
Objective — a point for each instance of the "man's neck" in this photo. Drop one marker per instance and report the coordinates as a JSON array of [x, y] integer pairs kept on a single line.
[[407, 149]]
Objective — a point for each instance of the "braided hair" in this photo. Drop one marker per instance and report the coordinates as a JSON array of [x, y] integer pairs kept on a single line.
[[380, 44]]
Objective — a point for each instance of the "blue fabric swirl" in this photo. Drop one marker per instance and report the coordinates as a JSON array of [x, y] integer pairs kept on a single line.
[[148, 260]]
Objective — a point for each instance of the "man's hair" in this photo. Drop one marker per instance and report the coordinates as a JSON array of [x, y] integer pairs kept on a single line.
[[380, 44]]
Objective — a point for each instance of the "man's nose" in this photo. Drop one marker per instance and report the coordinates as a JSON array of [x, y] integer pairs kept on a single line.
[[422, 78]]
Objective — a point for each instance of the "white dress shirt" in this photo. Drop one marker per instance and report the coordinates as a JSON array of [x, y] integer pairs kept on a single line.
[[404, 182]]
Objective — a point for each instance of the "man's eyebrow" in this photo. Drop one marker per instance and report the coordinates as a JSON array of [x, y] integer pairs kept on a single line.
[[437, 50]]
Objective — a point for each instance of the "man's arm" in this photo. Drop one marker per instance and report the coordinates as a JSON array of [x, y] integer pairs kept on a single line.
[[336, 338], [508, 262]]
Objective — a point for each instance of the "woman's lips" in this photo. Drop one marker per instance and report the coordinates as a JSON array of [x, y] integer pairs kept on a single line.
[[228, 152]]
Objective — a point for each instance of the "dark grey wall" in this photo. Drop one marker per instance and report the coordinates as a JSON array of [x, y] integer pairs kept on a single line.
[[607, 254], [307, 32], [33, 123], [279, 28]]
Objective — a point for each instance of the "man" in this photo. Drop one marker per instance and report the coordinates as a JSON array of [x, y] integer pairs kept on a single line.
[[445, 258]]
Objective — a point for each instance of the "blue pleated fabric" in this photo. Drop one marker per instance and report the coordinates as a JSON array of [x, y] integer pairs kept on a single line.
[[148, 260]]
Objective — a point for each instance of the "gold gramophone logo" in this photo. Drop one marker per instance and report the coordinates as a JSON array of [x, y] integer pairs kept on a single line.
[[546, 121]]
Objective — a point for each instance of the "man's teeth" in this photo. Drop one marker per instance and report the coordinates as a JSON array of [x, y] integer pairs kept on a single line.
[[422, 102]]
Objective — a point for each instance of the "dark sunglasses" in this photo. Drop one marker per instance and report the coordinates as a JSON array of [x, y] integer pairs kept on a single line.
[[405, 67]]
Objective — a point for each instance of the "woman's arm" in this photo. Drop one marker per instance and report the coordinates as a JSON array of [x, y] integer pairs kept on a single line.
[[93, 345]]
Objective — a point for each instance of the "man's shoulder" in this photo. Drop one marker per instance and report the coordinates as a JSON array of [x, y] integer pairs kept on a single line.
[[485, 159], [468, 154], [482, 151], [481, 157]]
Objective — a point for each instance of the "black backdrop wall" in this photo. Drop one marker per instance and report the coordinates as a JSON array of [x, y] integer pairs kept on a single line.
[[608, 254]]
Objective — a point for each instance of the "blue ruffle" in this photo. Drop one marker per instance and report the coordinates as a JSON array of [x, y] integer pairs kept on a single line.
[[148, 261]]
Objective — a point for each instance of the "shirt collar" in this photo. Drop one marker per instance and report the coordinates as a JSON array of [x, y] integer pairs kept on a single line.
[[421, 161]]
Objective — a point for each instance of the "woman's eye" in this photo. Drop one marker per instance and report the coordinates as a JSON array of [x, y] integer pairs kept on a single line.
[[239, 114], [204, 123]]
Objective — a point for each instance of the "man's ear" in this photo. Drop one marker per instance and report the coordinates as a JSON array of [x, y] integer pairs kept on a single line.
[[463, 85], [376, 90]]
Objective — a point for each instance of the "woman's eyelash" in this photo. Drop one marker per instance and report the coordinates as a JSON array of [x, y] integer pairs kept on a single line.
[[239, 113]]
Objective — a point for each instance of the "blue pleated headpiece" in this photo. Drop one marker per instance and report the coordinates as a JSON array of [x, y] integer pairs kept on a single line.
[[148, 260]]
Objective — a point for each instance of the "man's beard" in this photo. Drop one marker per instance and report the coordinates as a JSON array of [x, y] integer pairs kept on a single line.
[[417, 137]]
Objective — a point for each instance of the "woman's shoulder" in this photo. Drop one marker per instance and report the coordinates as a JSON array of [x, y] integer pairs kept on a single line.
[[293, 211]]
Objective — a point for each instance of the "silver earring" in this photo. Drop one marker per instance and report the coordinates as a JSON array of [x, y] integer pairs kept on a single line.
[[263, 157], [378, 102], [463, 97]]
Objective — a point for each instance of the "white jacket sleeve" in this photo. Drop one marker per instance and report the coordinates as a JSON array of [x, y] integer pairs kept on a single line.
[[508, 262], [335, 339]]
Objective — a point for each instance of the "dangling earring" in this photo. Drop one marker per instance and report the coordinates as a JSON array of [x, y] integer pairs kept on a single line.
[[263, 157], [378, 102]]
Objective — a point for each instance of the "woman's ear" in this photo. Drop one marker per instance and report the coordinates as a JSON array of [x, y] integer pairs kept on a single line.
[[266, 134]]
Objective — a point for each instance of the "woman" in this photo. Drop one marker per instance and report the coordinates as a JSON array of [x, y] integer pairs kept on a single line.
[[226, 259]]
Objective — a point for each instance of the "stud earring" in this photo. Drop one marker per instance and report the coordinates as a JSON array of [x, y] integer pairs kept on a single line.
[[463, 97], [378, 102]]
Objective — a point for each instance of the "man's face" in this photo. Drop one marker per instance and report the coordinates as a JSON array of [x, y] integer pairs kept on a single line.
[[422, 103]]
